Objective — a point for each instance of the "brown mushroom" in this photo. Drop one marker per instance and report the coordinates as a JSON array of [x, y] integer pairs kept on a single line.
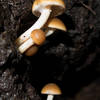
[[54, 24], [31, 51], [50, 27], [42, 8], [37, 37], [51, 89]]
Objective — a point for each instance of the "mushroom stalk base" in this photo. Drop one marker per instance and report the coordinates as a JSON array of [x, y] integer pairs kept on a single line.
[[50, 97], [39, 24]]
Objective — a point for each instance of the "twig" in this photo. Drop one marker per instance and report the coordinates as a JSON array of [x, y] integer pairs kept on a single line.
[[90, 9]]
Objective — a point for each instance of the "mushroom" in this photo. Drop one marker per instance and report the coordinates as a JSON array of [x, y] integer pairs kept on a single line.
[[50, 27], [51, 89], [37, 37], [54, 24], [32, 50], [42, 8]]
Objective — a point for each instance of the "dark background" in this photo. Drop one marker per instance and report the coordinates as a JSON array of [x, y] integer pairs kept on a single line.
[[70, 59]]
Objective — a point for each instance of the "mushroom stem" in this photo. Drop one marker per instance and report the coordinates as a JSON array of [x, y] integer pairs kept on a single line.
[[50, 97], [49, 32], [27, 44], [45, 13]]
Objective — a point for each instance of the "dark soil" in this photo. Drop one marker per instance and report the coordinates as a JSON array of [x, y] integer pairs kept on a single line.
[[71, 59]]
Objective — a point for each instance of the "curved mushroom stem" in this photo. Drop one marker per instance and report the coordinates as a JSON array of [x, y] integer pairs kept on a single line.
[[45, 13], [30, 41], [50, 97]]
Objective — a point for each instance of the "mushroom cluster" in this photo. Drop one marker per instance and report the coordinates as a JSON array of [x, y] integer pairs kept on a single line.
[[29, 41]]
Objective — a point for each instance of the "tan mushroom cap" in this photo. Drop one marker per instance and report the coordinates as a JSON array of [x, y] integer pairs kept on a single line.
[[56, 24], [38, 36], [57, 6], [52, 89], [31, 51]]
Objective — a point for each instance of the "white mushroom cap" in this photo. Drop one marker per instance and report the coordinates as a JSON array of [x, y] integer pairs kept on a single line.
[[51, 89], [57, 6]]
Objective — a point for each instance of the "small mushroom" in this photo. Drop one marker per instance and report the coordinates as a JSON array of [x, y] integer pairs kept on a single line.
[[37, 37], [42, 8], [32, 50], [50, 27], [54, 24], [51, 89]]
